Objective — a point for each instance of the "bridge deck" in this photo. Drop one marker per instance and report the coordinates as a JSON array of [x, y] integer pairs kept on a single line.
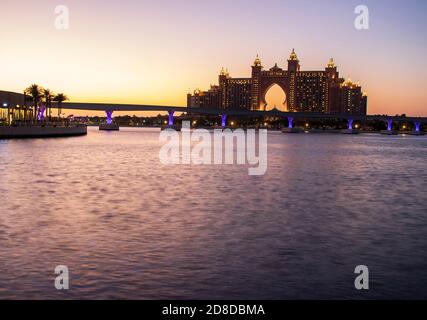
[[235, 112]]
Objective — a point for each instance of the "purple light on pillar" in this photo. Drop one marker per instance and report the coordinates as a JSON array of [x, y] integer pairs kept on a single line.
[[40, 114], [291, 122], [417, 126], [350, 124], [224, 120], [171, 113], [389, 125], [109, 116]]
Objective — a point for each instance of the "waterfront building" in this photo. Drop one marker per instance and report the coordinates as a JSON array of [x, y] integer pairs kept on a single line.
[[321, 91], [12, 105]]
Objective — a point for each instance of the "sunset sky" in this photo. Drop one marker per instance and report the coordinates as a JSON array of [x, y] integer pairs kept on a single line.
[[153, 52]]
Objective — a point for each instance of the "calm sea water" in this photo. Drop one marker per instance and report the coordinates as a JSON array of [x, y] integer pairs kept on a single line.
[[128, 227]]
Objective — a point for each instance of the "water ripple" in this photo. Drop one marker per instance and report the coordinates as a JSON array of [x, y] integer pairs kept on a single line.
[[128, 227]]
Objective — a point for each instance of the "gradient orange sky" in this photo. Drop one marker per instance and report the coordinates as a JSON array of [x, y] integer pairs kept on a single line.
[[153, 52]]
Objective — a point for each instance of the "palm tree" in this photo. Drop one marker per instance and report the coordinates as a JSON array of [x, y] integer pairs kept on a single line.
[[25, 106], [60, 98], [48, 97], [35, 93]]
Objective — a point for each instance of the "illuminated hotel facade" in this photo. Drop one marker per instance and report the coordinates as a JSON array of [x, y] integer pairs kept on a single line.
[[306, 91]]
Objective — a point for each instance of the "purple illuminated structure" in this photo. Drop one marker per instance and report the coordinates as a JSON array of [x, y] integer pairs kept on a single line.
[[40, 114], [291, 122], [389, 125], [109, 117], [224, 120], [171, 113], [350, 124], [417, 126]]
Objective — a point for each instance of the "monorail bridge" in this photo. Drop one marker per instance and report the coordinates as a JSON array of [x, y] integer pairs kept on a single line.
[[109, 109]]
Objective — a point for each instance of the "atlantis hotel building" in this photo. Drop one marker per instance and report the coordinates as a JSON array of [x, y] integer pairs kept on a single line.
[[306, 91]]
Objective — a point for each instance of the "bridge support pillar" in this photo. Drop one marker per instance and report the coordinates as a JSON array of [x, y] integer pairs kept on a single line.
[[290, 128], [389, 130], [223, 121], [417, 131], [109, 126], [291, 122], [389, 125], [417, 126], [350, 129], [109, 117], [170, 122]]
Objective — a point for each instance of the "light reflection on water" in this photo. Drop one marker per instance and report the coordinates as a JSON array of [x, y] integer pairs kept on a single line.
[[128, 227]]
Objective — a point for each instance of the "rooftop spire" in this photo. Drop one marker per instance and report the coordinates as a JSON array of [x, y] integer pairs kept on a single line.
[[257, 62], [293, 56], [331, 63]]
